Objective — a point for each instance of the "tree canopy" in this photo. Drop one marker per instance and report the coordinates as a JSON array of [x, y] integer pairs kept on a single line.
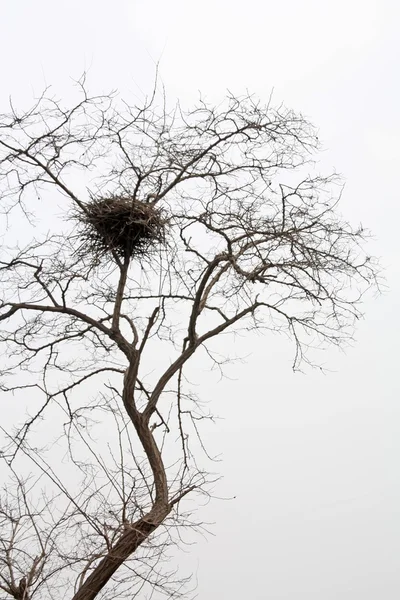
[[176, 227]]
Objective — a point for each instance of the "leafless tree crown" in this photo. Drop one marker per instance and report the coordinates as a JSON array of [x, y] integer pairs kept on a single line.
[[178, 227]]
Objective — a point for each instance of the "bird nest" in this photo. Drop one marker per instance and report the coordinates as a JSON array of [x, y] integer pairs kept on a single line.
[[120, 225]]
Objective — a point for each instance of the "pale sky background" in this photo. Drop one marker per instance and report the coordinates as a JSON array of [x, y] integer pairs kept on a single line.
[[312, 459]]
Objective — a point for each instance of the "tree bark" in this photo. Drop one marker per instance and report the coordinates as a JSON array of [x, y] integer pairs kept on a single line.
[[126, 545]]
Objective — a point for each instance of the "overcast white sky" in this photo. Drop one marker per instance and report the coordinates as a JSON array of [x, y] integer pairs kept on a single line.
[[313, 459]]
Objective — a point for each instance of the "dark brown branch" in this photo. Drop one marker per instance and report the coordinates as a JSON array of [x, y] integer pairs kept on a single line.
[[116, 336]]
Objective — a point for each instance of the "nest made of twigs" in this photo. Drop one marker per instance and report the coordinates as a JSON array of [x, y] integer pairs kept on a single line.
[[120, 225]]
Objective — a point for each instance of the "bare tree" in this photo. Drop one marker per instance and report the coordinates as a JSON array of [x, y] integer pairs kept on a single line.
[[179, 227]]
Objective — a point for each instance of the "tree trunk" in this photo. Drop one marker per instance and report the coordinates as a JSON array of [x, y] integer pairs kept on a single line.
[[126, 545]]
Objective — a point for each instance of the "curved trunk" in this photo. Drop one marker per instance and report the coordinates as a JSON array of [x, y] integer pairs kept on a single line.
[[139, 531]]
